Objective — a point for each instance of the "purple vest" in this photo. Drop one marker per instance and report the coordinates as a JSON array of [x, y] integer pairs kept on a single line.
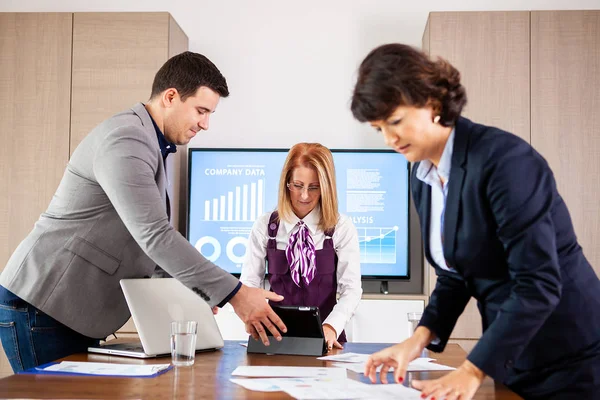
[[322, 289]]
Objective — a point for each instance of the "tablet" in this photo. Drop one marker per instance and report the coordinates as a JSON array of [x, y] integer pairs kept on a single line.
[[304, 334], [300, 321]]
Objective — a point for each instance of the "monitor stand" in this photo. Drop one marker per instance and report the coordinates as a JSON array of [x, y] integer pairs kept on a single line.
[[383, 288]]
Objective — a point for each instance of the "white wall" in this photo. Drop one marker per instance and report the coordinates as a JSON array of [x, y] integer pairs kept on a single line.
[[290, 65]]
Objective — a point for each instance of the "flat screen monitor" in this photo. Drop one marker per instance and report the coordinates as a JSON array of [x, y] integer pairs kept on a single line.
[[229, 188]]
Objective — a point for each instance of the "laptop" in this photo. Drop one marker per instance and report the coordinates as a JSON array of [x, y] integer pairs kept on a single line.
[[154, 304]]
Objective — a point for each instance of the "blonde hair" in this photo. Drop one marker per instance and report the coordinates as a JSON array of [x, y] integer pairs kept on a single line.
[[319, 158]]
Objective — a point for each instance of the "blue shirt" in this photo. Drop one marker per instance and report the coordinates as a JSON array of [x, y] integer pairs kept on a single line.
[[166, 147], [432, 175]]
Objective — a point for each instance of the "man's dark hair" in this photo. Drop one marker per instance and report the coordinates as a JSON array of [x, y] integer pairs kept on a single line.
[[187, 72]]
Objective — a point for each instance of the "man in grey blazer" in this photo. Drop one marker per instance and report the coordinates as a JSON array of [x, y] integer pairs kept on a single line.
[[108, 220]]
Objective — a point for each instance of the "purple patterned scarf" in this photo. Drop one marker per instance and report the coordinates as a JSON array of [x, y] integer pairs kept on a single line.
[[300, 254]]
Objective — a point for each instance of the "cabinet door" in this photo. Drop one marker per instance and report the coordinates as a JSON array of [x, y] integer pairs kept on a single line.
[[115, 58], [382, 321], [35, 77], [491, 51], [35, 55], [565, 120]]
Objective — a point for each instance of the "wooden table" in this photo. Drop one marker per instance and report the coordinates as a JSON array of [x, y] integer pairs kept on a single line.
[[208, 378]]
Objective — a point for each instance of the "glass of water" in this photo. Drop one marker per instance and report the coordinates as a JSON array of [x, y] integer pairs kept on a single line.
[[413, 319], [413, 322], [183, 342]]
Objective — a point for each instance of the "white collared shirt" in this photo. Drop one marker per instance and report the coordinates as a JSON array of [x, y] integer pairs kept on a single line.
[[345, 243], [429, 174]]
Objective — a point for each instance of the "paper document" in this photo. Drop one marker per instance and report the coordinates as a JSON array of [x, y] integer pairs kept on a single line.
[[93, 368], [329, 389], [348, 389], [347, 357], [425, 364], [332, 390], [279, 384], [419, 364], [260, 384], [289, 372], [393, 391]]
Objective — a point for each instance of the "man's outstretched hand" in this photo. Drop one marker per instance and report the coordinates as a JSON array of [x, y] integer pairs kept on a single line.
[[250, 305]]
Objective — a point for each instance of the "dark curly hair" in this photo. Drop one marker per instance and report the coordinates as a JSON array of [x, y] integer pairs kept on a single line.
[[395, 75]]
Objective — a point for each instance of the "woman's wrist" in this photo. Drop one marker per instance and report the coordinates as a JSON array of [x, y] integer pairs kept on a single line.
[[330, 327], [422, 337], [472, 369]]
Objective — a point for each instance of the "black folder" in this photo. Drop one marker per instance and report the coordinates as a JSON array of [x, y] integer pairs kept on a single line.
[[304, 334]]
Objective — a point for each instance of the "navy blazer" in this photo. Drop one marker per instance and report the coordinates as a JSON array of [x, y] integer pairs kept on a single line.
[[509, 236]]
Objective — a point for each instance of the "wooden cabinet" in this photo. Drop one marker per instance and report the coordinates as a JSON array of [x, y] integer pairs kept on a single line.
[[35, 79], [535, 74], [61, 74], [491, 51], [115, 58], [565, 120]]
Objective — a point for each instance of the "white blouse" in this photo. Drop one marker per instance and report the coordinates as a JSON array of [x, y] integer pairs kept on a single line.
[[345, 243]]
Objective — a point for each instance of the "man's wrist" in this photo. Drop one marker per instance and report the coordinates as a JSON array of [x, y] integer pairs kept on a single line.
[[234, 296]]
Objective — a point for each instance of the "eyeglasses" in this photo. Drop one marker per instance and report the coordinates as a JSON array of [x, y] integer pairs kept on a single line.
[[295, 187]]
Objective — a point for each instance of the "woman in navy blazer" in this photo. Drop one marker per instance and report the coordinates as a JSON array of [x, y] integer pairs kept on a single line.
[[494, 228]]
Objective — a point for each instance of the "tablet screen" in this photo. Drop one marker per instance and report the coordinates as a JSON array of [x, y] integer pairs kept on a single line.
[[300, 321]]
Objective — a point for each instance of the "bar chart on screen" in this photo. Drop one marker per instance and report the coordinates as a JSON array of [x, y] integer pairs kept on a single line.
[[243, 203]]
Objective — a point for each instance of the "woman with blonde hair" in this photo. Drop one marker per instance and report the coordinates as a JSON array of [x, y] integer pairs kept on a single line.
[[311, 249]]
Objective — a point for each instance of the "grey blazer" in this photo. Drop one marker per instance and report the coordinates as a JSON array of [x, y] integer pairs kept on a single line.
[[107, 221]]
